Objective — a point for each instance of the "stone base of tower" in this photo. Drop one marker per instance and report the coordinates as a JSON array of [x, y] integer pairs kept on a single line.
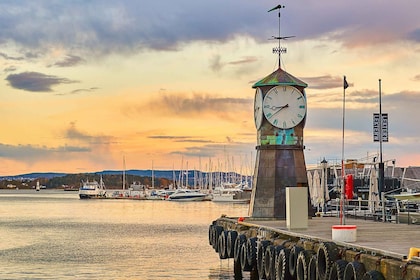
[[276, 169]]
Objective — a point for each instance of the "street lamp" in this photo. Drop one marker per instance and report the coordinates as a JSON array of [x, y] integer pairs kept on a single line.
[[324, 184]]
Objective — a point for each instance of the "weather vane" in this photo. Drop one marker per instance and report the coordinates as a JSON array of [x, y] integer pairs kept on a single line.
[[279, 50]]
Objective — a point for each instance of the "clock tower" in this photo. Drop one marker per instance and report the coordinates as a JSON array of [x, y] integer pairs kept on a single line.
[[280, 114]]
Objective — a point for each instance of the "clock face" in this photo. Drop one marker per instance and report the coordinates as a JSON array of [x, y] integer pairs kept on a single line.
[[284, 106], [258, 111]]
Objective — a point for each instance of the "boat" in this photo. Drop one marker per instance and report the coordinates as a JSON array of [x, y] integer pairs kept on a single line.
[[92, 189], [187, 195], [231, 195]]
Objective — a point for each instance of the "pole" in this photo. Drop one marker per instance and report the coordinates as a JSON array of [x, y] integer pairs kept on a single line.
[[342, 222], [381, 163]]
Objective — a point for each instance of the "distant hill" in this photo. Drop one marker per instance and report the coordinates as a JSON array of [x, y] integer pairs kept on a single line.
[[164, 174]]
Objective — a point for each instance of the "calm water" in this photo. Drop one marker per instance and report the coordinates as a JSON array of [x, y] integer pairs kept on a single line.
[[55, 235]]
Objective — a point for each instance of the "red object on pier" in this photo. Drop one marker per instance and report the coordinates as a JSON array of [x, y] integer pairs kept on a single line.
[[349, 186]]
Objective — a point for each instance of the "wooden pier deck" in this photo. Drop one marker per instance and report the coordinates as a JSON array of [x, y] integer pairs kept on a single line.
[[389, 238]]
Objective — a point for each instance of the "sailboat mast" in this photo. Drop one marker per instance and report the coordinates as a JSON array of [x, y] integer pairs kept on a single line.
[[153, 177], [123, 173]]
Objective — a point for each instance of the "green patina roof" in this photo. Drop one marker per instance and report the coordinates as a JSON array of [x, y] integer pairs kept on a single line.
[[279, 77]]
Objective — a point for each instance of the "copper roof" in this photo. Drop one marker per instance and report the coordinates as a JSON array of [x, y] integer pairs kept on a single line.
[[279, 77]]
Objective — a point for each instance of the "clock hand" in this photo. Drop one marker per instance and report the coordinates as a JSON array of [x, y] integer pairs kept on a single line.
[[280, 108]]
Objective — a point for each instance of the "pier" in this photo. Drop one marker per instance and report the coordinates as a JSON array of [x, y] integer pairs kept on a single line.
[[259, 246]]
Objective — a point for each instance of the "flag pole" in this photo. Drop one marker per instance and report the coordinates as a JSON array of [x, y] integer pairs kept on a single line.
[[343, 173]]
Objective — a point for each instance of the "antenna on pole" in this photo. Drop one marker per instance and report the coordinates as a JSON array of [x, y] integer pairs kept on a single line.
[[279, 50]]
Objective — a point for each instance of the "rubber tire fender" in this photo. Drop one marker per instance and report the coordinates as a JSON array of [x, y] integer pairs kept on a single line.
[[354, 271], [337, 270], [373, 275], [211, 235], [217, 230], [271, 253], [261, 248], [222, 243], [282, 265], [294, 253], [244, 258], [251, 251], [230, 246], [240, 240], [326, 256], [302, 264], [312, 272]]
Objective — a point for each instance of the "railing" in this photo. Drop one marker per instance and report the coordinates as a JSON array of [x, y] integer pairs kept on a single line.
[[393, 212]]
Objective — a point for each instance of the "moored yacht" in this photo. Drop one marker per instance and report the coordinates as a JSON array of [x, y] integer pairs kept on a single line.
[[92, 189], [187, 195]]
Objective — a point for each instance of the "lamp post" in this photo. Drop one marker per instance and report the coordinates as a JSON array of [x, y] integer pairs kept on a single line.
[[324, 184]]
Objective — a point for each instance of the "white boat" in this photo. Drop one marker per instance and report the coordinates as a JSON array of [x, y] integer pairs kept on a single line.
[[92, 189], [231, 195], [187, 195]]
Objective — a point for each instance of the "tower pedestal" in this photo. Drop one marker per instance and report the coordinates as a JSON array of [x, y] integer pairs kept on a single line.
[[276, 168]]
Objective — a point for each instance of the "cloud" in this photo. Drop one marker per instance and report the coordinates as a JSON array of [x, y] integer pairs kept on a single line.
[[10, 69], [74, 134], [33, 153], [187, 106], [325, 82], [68, 61], [104, 26], [34, 81], [5, 56]]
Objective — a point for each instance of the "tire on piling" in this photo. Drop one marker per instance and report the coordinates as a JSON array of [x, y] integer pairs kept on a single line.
[[240, 240], [251, 251], [271, 253], [230, 245], [244, 258], [327, 254], [294, 253], [261, 248], [337, 270], [373, 275], [354, 271], [222, 244], [282, 265], [302, 264]]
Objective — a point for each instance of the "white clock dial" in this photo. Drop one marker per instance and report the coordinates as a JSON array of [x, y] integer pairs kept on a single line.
[[258, 111], [284, 106]]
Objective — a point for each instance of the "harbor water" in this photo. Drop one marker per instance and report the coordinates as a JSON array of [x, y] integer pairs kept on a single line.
[[52, 234]]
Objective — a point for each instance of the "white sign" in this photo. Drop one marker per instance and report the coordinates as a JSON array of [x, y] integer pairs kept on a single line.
[[377, 127]]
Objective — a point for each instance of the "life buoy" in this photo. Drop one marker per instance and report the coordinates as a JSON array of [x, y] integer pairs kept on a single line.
[[222, 244], [294, 253], [261, 248], [244, 258], [326, 256], [302, 264], [312, 273], [240, 240], [271, 253], [374, 275], [354, 271], [337, 270], [251, 251], [230, 246], [282, 265]]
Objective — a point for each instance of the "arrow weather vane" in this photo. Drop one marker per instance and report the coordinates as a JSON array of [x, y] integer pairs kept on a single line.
[[279, 50]]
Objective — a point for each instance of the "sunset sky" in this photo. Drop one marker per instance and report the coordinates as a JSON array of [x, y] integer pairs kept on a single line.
[[168, 84]]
